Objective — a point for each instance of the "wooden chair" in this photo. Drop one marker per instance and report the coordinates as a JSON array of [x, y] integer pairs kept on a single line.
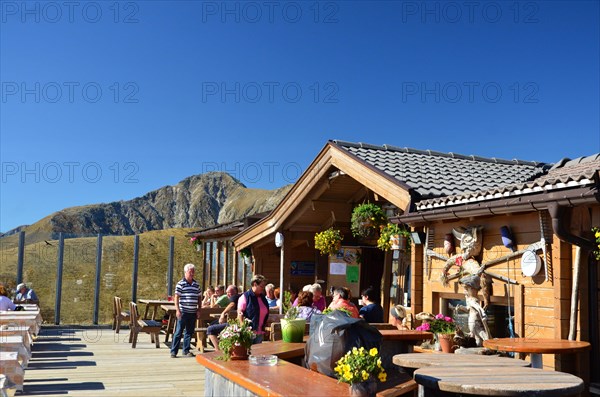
[[119, 314], [137, 325]]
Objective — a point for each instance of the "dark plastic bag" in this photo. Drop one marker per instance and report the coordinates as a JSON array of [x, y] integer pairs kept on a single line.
[[333, 335]]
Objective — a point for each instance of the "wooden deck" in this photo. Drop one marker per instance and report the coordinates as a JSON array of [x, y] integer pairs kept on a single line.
[[89, 361]]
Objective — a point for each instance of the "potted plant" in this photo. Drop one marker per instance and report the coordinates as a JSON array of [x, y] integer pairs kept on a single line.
[[328, 241], [197, 243], [292, 327], [359, 368], [366, 219], [246, 254], [236, 339], [394, 236], [444, 328]]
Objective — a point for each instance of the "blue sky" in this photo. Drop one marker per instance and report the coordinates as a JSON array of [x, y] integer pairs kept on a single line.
[[105, 101]]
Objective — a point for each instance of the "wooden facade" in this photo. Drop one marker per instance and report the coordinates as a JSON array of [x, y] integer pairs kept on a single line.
[[540, 306]]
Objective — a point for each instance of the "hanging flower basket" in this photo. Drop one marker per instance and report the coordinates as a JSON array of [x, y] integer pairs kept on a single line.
[[246, 254], [197, 243], [329, 241], [366, 219], [394, 237]]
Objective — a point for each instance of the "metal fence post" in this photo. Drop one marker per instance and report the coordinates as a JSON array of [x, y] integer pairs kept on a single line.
[[59, 273], [98, 274], [21, 253], [136, 250], [170, 269]]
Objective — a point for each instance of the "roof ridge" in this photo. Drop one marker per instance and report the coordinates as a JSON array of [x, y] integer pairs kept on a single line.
[[441, 154]]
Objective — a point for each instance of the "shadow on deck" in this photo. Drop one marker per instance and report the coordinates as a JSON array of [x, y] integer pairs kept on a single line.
[[94, 361]]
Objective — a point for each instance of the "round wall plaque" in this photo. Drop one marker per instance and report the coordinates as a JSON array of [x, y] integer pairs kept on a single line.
[[530, 263]]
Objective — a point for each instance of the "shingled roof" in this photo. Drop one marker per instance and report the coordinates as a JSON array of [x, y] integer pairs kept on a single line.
[[432, 174], [564, 174]]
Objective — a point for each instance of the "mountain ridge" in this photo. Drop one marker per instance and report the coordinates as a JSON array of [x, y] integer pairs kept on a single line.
[[199, 201]]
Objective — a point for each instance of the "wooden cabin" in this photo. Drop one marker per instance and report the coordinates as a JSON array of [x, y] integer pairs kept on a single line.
[[435, 193]]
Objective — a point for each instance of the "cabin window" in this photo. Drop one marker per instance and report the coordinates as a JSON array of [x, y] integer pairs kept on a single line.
[[497, 317]]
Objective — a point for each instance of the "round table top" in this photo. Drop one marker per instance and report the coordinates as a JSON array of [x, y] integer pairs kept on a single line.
[[420, 360], [499, 381], [536, 345]]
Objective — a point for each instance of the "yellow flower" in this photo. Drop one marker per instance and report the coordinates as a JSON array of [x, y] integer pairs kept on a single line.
[[346, 368], [355, 351], [365, 375], [382, 376], [373, 352], [348, 376]]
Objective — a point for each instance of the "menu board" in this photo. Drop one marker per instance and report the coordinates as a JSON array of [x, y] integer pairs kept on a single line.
[[344, 269]]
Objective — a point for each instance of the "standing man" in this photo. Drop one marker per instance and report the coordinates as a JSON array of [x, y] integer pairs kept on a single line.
[[188, 301]]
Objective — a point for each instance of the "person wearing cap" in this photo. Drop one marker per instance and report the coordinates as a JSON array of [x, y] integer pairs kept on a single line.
[[26, 295], [398, 317]]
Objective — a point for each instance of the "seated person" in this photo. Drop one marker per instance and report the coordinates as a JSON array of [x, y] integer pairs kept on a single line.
[[270, 294], [318, 298], [341, 299], [207, 296], [5, 302], [398, 317], [220, 299], [371, 311], [214, 330], [26, 295], [305, 305]]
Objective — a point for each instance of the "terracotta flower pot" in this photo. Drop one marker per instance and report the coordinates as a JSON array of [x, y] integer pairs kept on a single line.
[[239, 352], [446, 342]]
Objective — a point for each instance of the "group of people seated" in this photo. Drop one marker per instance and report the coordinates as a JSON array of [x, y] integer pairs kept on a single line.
[[309, 301], [24, 295]]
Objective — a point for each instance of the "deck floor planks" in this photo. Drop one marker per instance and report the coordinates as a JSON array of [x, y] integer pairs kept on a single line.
[[80, 361]]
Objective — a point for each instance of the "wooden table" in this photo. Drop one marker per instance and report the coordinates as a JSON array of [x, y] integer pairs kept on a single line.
[[496, 381], [25, 332], [26, 319], [536, 347], [12, 369], [15, 343], [412, 361], [281, 349], [154, 304], [240, 378]]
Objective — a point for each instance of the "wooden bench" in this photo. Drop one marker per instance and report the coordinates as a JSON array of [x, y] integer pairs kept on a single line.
[[207, 315]]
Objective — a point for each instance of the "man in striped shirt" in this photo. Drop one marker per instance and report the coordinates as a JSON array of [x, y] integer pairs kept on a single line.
[[188, 301]]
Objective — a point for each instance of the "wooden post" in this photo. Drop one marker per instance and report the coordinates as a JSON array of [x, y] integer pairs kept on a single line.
[[98, 275]]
